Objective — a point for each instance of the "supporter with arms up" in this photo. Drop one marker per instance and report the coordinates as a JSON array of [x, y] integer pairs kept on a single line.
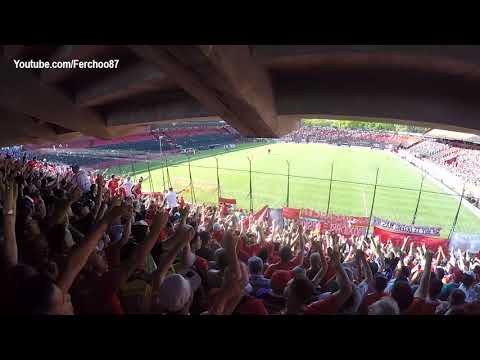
[[97, 290], [423, 304], [331, 304], [287, 260]]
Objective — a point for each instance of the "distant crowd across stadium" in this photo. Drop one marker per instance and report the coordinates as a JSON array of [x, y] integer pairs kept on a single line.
[[360, 137], [74, 241], [460, 158]]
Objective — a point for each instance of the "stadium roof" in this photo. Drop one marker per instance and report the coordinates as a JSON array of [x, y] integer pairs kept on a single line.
[[261, 90], [452, 135]]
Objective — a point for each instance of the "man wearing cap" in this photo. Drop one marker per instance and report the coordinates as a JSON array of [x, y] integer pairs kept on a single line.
[[175, 294], [81, 179]]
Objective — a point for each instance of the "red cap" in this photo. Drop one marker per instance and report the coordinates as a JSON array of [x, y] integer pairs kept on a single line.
[[279, 280]]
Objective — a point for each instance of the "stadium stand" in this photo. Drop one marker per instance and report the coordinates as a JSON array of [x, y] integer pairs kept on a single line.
[[74, 242], [129, 272], [461, 159], [350, 136]]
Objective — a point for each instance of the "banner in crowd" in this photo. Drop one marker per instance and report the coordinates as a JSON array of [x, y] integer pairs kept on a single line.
[[344, 225], [277, 215], [289, 213], [397, 238], [465, 242], [407, 229]]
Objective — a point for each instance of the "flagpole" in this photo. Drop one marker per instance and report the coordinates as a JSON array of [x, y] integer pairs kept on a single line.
[[418, 200], [192, 191], [330, 189], [250, 177], [218, 179], [452, 230], [373, 202], [152, 187], [288, 183]]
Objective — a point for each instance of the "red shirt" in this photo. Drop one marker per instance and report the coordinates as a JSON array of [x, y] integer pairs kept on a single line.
[[137, 189], [250, 306], [201, 264], [113, 185], [297, 260], [101, 297], [326, 306], [421, 307], [251, 250], [121, 192]]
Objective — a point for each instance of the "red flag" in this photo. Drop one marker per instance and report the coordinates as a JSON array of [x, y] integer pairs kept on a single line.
[[260, 214], [290, 213]]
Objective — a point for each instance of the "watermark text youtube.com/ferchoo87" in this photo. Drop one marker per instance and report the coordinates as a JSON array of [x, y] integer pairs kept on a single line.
[[70, 64]]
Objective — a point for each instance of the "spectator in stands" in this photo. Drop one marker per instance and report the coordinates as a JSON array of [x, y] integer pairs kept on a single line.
[[137, 188], [257, 280], [112, 185], [127, 185], [80, 179], [171, 199], [287, 260], [65, 251]]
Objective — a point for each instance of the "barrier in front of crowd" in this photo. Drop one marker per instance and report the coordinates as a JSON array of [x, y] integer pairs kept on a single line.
[[177, 171]]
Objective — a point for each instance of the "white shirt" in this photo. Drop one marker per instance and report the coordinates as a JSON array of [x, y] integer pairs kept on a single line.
[[82, 180], [127, 185], [171, 199]]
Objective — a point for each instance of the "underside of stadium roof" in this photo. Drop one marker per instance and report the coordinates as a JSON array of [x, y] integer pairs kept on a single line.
[[261, 90], [452, 135]]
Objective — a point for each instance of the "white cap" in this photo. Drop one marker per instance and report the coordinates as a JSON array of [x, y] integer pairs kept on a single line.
[[177, 290]]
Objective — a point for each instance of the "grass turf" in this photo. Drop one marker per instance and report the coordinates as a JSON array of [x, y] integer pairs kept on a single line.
[[354, 171]]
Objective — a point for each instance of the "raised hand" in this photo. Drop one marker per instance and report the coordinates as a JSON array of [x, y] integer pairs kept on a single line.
[[185, 234], [334, 255], [160, 220], [75, 195], [9, 190], [118, 211]]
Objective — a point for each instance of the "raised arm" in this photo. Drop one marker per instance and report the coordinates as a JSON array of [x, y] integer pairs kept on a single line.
[[80, 255], [301, 251], [367, 271], [422, 290], [9, 190], [61, 209], [141, 252], [183, 236], [344, 283], [323, 270], [235, 280]]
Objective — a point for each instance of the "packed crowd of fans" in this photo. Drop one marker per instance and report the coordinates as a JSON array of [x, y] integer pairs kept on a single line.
[[461, 160], [77, 243], [350, 136]]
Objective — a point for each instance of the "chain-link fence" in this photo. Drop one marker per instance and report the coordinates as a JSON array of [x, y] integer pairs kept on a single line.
[[367, 193]]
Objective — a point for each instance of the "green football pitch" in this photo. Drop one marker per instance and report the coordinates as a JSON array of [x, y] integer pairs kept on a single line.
[[352, 188]]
